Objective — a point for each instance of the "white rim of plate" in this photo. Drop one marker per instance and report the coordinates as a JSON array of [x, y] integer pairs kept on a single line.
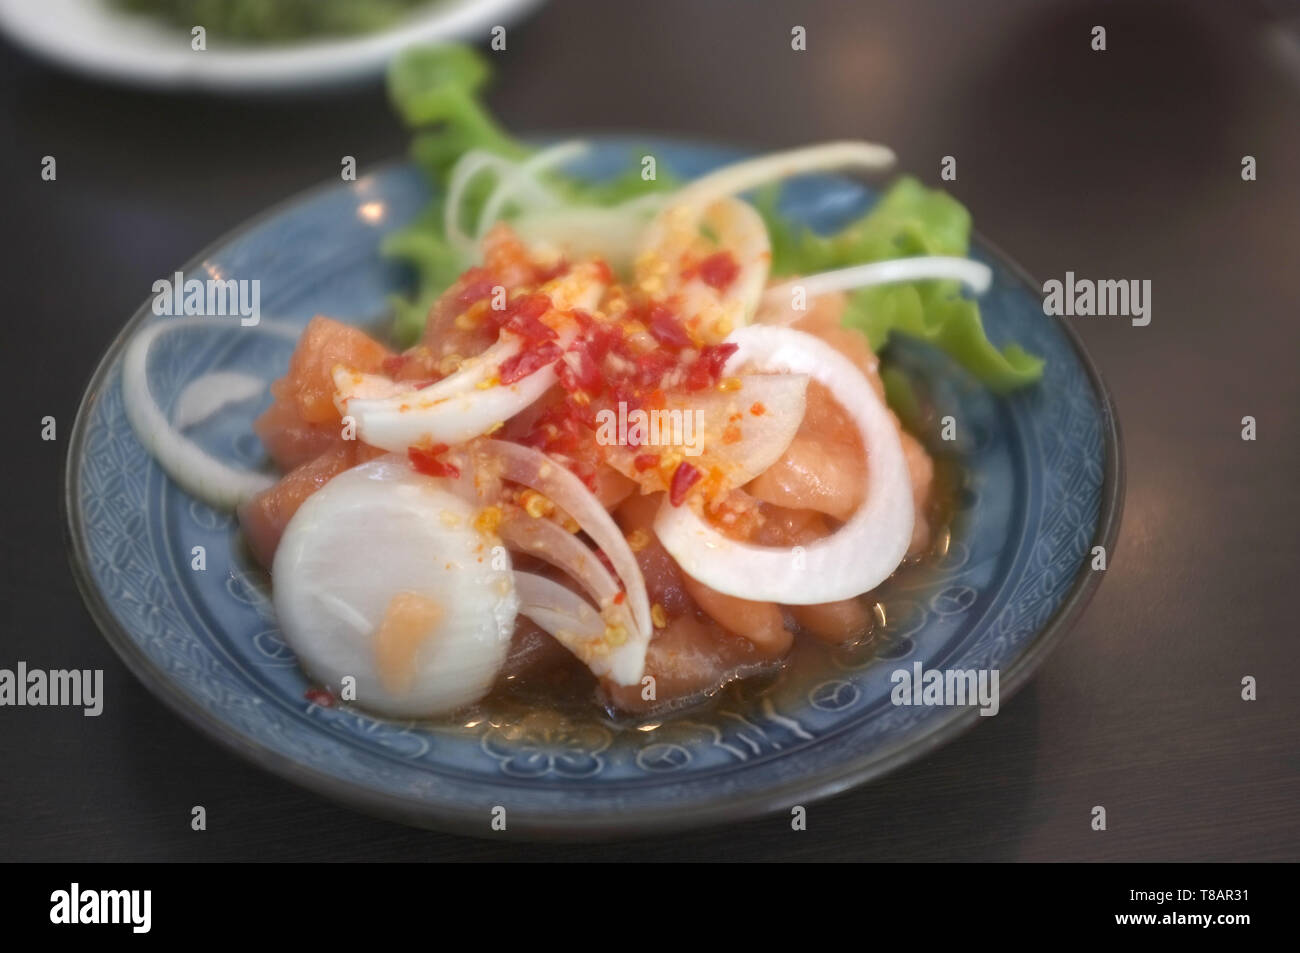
[[93, 38]]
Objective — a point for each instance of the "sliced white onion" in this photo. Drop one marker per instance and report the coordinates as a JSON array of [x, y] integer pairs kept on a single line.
[[854, 559], [776, 305], [193, 468], [546, 540], [413, 416], [679, 222], [379, 531], [481, 474], [577, 626], [535, 469], [468, 403], [537, 592], [473, 372], [751, 173], [205, 396], [763, 436], [742, 230], [467, 168], [590, 230], [523, 175]]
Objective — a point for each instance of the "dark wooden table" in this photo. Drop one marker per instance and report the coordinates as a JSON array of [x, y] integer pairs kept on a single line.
[[1122, 164]]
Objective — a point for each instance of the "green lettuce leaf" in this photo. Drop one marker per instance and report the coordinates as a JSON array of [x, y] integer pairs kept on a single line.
[[435, 89], [908, 220]]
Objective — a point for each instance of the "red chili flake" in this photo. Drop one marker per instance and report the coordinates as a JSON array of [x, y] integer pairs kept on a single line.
[[719, 270], [708, 366], [618, 391], [625, 391], [644, 461], [319, 696], [684, 477], [597, 337], [425, 460], [584, 320], [543, 275], [616, 344], [619, 597], [555, 430], [603, 271], [578, 370], [475, 285], [651, 368], [757, 408], [666, 329], [392, 366], [528, 361], [530, 329], [522, 316]]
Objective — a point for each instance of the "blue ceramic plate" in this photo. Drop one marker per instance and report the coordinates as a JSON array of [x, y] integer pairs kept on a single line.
[[1042, 485]]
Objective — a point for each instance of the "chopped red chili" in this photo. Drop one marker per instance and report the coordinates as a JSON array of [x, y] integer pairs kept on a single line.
[[528, 361], [543, 275], [666, 329], [708, 366], [476, 284], [651, 367], [558, 429], [684, 477], [578, 370], [425, 460], [522, 316], [719, 270]]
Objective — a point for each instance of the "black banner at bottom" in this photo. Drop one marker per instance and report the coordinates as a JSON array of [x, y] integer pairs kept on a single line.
[[337, 901]]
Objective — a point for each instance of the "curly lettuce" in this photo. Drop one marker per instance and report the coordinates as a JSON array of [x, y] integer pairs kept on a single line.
[[908, 220], [436, 91]]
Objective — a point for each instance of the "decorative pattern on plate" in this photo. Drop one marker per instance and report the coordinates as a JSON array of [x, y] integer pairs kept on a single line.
[[548, 744]]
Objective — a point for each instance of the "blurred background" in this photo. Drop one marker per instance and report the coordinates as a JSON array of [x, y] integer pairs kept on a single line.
[[1124, 163]]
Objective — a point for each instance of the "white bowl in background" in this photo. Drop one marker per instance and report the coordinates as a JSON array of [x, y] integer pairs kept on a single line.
[[95, 38]]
